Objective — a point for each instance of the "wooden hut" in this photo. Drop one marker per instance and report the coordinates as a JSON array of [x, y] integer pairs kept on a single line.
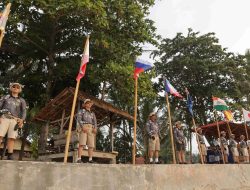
[[210, 130], [55, 118]]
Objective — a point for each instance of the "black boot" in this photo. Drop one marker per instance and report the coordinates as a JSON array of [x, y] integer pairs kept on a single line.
[[10, 156]]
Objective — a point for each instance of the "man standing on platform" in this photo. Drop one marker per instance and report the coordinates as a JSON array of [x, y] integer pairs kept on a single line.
[[243, 149], [233, 147], [203, 145], [153, 131], [225, 146], [88, 129], [180, 142], [14, 113]]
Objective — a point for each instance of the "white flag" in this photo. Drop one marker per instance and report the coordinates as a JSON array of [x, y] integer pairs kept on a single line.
[[246, 115]]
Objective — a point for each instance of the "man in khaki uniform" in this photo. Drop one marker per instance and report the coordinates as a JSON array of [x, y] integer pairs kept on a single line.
[[243, 149], [233, 147], [153, 131], [203, 145], [87, 129], [224, 145], [14, 109]]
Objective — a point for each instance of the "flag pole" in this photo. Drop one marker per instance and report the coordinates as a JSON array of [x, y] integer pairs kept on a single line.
[[71, 121], [5, 14], [246, 130], [229, 129], [218, 130], [171, 129], [135, 120], [197, 139], [245, 124], [73, 112]]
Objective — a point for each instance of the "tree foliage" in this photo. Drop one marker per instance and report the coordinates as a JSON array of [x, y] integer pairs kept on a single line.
[[199, 63]]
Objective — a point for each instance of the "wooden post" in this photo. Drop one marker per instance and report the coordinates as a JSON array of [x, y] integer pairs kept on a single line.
[[62, 122], [71, 122], [171, 129], [198, 142], [218, 131], [43, 138], [111, 134], [135, 120], [246, 130]]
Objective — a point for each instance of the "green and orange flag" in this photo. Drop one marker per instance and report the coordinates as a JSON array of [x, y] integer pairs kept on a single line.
[[219, 104]]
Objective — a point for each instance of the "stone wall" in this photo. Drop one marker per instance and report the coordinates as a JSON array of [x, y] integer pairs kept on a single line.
[[58, 176]]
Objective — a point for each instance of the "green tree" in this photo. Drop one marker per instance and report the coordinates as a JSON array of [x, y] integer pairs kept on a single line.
[[44, 41], [199, 63]]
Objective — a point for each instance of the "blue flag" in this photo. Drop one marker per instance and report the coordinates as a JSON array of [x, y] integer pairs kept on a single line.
[[190, 104]]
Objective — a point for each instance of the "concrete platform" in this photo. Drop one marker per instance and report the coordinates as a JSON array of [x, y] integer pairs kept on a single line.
[[58, 176]]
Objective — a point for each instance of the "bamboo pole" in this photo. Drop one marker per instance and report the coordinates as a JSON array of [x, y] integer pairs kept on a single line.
[[171, 129], [229, 129], [71, 122], [198, 141], [4, 15], [246, 129], [218, 130], [135, 120], [73, 111]]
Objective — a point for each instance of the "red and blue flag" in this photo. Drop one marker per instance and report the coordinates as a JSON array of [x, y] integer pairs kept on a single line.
[[141, 66], [170, 89]]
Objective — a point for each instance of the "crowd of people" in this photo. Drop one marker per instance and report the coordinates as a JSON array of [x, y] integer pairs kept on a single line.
[[220, 149], [13, 115]]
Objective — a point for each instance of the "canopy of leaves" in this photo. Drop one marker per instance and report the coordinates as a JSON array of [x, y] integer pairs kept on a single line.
[[199, 63]]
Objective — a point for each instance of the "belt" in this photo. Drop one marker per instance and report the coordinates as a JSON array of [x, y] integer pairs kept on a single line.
[[7, 116], [87, 123]]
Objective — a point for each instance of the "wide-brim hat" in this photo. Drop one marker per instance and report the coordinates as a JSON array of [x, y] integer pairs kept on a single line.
[[86, 101], [199, 129], [177, 123], [242, 136], [17, 84], [151, 114], [223, 132]]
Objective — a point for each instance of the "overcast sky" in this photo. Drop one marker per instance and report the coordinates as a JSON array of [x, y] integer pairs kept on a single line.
[[229, 19]]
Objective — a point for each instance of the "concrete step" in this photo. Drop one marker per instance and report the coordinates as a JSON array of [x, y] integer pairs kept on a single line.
[[16, 175]]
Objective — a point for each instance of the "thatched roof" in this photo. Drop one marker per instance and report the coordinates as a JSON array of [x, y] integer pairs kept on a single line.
[[63, 101]]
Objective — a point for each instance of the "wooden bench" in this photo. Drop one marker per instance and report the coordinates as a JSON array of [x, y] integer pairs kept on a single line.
[[110, 156], [57, 147]]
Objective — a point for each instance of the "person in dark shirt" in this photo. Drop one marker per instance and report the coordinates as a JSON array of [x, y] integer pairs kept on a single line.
[[233, 147], [180, 142], [14, 109], [87, 123]]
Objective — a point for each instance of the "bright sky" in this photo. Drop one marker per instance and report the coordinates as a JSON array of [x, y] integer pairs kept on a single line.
[[229, 19]]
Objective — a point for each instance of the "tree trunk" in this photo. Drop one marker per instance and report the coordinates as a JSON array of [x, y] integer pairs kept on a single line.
[[43, 138]]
